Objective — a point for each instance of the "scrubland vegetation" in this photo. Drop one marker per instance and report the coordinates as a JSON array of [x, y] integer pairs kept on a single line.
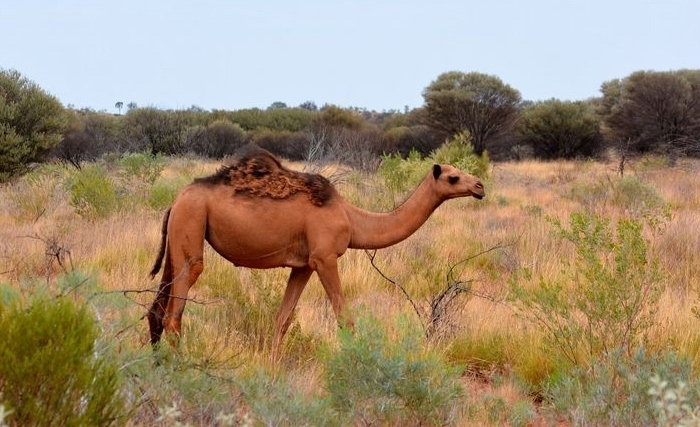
[[568, 296]]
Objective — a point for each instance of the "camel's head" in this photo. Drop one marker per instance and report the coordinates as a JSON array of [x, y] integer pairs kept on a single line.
[[450, 182]]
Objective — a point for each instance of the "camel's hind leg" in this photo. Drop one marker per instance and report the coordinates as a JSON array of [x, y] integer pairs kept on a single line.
[[296, 284], [157, 311], [185, 255]]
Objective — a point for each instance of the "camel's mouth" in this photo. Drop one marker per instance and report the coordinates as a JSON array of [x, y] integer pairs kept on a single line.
[[478, 196]]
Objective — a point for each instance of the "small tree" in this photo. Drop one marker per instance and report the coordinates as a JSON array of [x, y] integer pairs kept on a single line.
[[31, 123], [560, 129]]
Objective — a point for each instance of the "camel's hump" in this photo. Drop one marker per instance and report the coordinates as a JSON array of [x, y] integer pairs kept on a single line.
[[256, 172]]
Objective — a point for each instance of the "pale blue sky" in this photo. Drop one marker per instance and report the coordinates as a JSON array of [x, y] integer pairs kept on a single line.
[[374, 54]]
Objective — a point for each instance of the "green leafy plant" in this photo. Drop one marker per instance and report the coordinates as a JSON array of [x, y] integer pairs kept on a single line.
[[142, 167], [276, 401], [460, 153], [626, 391], [608, 296], [673, 404], [52, 371], [92, 193], [374, 378]]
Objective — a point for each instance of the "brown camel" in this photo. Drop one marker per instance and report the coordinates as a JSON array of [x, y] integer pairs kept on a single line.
[[258, 214]]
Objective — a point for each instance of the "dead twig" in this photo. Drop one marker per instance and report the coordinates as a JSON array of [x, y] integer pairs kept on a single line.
[[440, 303]]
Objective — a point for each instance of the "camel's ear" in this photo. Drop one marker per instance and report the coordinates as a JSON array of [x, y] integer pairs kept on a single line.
[[437, 170]]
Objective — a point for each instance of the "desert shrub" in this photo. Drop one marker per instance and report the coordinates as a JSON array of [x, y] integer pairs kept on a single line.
[[459, 153], [374, 378], [402, 173], [92, 193], [629, 194], [276, 401], [674, 405], [616, 390], [640, 199], [142, 167], [219, 139], [31, 123], [52, 371], [193, 385], [37, 193], [162, 193], [611, 294]]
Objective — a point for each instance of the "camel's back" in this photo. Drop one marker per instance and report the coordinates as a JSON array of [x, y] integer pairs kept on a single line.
[[260, 174]]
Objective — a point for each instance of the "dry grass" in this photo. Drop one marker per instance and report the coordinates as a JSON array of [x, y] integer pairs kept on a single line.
[[119, 250]]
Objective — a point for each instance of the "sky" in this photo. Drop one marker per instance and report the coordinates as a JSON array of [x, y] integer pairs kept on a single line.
[[378, 55]]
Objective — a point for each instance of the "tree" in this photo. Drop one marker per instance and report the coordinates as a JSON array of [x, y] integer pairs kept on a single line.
[[219, 139], [654, 111], [31, 123], [119, 105], [560, 129], [475, 102], [308, 105], [277, 105]]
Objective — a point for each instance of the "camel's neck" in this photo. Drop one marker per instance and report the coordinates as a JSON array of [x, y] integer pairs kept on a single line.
[[371, 230]]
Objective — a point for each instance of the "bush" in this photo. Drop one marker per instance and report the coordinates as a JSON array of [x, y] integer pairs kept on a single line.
[[31, 123], [620, 390], [52, 372], [610, 297], [459, 153], [142, 167], [276, 401], [561, 129], [374, 378], [400, 174], [92, 193], [221, 138]]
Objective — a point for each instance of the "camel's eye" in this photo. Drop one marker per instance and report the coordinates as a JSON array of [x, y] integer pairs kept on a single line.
[[453, 179]]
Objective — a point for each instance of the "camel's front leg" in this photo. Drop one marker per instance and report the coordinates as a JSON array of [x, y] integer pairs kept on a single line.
[[327, 269], [296, 284]]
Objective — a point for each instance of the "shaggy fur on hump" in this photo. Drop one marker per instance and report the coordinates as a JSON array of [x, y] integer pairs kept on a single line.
[[256, 172]]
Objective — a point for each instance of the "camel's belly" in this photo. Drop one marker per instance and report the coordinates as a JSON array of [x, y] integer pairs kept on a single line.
[[260, 245]]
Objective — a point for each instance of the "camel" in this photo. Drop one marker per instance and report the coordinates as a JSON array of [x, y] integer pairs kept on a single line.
[[256, 213]]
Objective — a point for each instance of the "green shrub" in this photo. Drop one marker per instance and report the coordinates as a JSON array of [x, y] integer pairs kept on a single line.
[[92, 193], [374, 378], [142, 167], [459, 153], [616, 390], [401, 174], [674, 405], [276, 401], [610, 295], [162, 193], [52, 372]]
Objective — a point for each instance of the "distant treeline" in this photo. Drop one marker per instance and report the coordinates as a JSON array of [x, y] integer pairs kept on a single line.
[[645, 112]]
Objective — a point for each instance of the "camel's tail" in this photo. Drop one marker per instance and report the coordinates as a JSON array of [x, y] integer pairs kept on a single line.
[[161, 251]]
